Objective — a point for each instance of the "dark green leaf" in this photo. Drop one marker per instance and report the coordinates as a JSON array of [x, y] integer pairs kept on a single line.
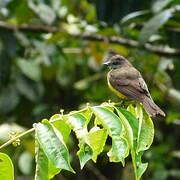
[[131, 120], [21, 12]]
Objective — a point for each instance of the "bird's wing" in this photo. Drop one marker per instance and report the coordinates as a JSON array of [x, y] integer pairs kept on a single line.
[[130, 84], [140, 85]]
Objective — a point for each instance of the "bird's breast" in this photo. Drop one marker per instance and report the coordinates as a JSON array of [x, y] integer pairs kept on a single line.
[[120, 95]]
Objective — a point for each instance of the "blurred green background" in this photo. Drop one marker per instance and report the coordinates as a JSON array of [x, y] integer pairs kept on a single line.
[[51, 54]]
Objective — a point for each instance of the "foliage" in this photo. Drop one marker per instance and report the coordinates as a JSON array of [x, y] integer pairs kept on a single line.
[[47, 64], [127, 132]]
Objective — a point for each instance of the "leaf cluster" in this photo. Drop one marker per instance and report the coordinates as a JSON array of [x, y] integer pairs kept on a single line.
[[131, 131]]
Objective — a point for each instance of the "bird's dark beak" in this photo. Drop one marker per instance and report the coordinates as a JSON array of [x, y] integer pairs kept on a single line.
[[107, 63]]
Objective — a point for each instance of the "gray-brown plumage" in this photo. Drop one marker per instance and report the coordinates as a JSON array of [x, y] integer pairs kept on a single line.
[[128, 83]]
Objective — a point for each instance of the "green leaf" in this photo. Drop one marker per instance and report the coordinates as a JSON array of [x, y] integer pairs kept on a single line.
[[61, 126], [97, 138], [139, 115], [30, 68], [53, 145], [45, 169], [44, 11], [127, 127], [109, 120], [134, 15], [114, 126], [139, 167], [78, 124], [52, 170], [152, 26], [133, 122], [6, 167], [145, 131], [131, 109], [137, 127], [88, 114], [21, 12], [41, 163], [85, 153], [119, 150], [158, 5]]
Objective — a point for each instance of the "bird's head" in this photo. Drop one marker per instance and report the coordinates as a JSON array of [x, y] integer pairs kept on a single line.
[[116, 61]]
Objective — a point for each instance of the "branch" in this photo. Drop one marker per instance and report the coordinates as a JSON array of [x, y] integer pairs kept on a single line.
[[31, 28], [176, 122], [17, 137], [163, 50]]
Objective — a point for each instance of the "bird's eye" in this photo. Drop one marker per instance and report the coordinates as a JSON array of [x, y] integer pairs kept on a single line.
[[115, 63]]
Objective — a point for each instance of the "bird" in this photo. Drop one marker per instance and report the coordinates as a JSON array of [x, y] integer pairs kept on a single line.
[[127, 82]]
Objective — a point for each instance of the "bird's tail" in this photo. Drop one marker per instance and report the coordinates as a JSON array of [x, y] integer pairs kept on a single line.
[[151, 108]]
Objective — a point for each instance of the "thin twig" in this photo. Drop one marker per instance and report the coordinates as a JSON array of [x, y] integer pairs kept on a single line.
[[92, 37], [17, 137], [23, 134]]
